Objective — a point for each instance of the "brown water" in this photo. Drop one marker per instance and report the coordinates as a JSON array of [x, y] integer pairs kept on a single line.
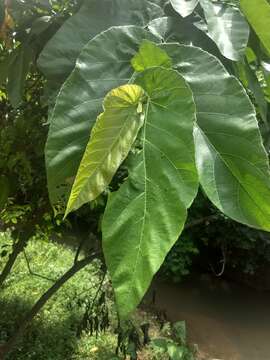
[[226, 321]]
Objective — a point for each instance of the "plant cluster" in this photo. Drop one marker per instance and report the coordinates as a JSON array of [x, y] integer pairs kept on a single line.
[[176, 118], [147, 101]]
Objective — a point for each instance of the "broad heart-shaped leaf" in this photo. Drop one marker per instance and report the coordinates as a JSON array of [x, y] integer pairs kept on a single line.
[[104, 64], [150, 55], [145, 217], [184, 7], [231, 160], [59, 55], [258, 15], [227, 27], [111, 139]]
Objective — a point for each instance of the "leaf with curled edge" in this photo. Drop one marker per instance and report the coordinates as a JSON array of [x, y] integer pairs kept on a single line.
[[227, 27]]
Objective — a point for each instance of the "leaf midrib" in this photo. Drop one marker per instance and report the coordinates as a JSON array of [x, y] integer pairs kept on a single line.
[[105, 156]]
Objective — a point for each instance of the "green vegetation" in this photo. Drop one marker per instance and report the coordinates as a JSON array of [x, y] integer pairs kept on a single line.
[[54, 333], [142, 127]]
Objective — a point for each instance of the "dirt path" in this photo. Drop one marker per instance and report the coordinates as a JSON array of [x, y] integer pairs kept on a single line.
[[227, 322]]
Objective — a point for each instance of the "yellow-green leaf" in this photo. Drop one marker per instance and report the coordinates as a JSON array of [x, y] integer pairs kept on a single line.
[[111, 139], [257, 13], [150, 55]]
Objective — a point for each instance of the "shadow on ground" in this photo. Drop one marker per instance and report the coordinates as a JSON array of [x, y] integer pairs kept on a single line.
[[52, 339]]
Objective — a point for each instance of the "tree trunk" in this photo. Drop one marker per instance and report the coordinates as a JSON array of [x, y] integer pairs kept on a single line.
[[6, 348], [17, 249]]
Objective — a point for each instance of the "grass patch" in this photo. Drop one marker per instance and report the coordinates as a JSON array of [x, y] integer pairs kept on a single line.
[[52, 335]]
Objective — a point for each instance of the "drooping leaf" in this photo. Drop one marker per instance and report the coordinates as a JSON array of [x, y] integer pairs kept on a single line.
[[227, 27], [258, 15], [150, 55], [111, 139], [104, 64], [184, 7], [147, 214], [231, 160], [59, 55], [17, 72]]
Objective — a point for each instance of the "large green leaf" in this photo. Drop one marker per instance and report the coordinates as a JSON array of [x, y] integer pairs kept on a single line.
[[111, 139], [145, 217], [150, 55], [104, 64], [258, 15], [59, 55], [227, 27], [231, 160], [184, 7]]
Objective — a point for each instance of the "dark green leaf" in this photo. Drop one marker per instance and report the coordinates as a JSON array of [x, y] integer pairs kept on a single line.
[[184, 31], [17, 73], [231, 160], [103, 65], [227, 27], [59, 55]]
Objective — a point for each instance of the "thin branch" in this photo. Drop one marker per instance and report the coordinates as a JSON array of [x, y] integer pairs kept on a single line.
[[32, 272], [98, 290], [17, 249], [79, 250], [90, 307], [6, 348], [223, 262]]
